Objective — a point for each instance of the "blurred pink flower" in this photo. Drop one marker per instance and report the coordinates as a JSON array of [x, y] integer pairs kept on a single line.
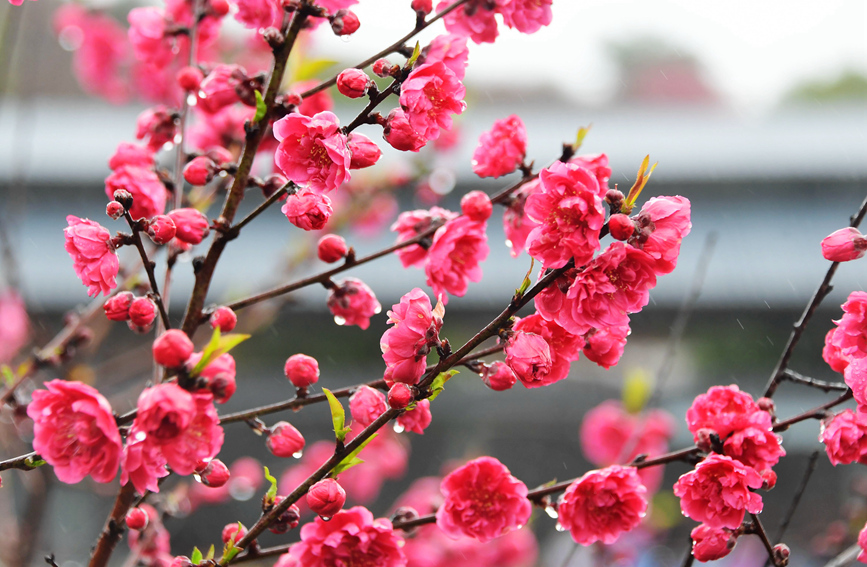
[[502, 149], [93, 256]]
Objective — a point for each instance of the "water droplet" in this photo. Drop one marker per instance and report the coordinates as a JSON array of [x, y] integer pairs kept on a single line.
[[378, 309], [339, 320], [509, 243], [241, 490], [552, 512], [398, 428], [559, 528], [345, 38], [139, 436], [298, 454], [198, 478], [192, 100], [71, 38], [325, 518]]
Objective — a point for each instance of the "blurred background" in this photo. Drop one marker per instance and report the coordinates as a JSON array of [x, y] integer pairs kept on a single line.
[[756, 112]]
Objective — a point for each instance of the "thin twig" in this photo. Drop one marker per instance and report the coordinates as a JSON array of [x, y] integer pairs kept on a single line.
[[149, 268], [815, 413], [797, 378], [759, 530], [289, 188], [796, 499]]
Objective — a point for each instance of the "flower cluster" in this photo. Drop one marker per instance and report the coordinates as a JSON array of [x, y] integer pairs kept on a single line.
[[416, 330], [846, 345]]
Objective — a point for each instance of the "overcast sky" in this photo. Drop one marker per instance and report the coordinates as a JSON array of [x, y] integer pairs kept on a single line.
[[753, 50]]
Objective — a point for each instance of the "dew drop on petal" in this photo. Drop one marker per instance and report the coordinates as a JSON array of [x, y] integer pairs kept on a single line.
[[378, 309], [339, 320], [398, 428], [325, 518], [559, 528], [552, 512], [192, 100], [298, 454]]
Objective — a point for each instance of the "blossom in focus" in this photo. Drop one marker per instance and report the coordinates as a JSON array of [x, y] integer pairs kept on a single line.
[[326, 497], [367, 404], [605, 346], [482, 500], [74, 431], [312, 151], [308, 210], [284, 440], [301, 370], [603, 504], [724, 410], [717, 492], [429, 96], [498, 376], [844, 245], [564, 346], [93, 256], [412, 223], [353, 82], [400, 134], [416, 330], [352, 302], [529, 357], [192, 225], [417, 419], [172, 348], [449, 48], [845, 437], [502, 149], [458, 247], [661, 225]]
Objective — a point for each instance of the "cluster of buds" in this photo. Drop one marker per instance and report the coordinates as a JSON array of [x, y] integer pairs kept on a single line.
[[139, 312]]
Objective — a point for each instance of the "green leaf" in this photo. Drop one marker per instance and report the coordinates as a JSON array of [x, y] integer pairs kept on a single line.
[[338, 416], [272, 492], [637, 388], [229, 552], [8, 375], [34, 462], [415, 53], [579, 138], [210, 554], [352, 459], [196, 557], [216, 347], [261, 109], [439, 383], [311, 68], [525, 285]]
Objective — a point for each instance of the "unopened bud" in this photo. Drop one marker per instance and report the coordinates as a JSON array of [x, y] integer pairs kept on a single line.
[[191, 224], [117, 307], [288, 520], [326, 497], [136, 519], [352, 83], [620, 226], [215, 474], [224, 319], [123, 197], [232, 533], [114, 210], [172, 348], [781, 554], [200, 171], [399, 396], [344, 22], [384, 68], [331, 248], [218, 8], [423, 6], [161, 229], [301, 370], [284, 440], [614, 198], [189, 79], [477, 206], [142, 312]]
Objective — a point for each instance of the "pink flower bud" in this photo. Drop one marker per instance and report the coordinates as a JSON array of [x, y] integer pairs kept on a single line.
[[142, 312], [181, 561], [308, 210], [232, 533], [352, 83], [383, 68], [123, 197], [215, 474], [200, 170], [162, 229], [301, 370], [781, 554], [366, 404], [621, 227], [844, 245], [189, 78], [172, 348], [498, 376], [114, 210], [136, 519], [352, 302], [710, 544], [224, 319], [284, 440], [399, 396], [614, 198], [769, 479], [423, 6], [344, 22], [117, 307], [218, 8], [416, 419], [222, 156], [364, 152], [400, 134], [192, 225], [331, 248], [326, 497], [477, 205]]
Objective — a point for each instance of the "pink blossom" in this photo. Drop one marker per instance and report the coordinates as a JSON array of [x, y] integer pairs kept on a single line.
[[516, 224], [316, 103], [353, 82], [353, 303], [367, 404], [482, 500], [412, 223], [192, 225], [851, 332], [429, 96], [710, 544], [148, 192], [308, 210], [15, 330], [845, 437], [220, 88], [498, 376], [399, 396], [833, 354], [74, 431], [417, 419], [219, 374], [284, 440], [477, 206], [147, 36], [223, 129], [131, 154], [301, 370], [258, 14], [475, 20], [603, 504], [597, 165], [844, 245], [93, 256], [756, 446], [724, 409], [451, 49], [717, 492], [351, 536], [855, 377], [312, 151], [605, 346], [400, 134], [570, 212], [502, 149], [529, 357], [527, 16], [117, 306], [157, 126], [564, 346], [661, 225], [326, 497], [364, 152], [458, 247], [142, 313], [416, 330]]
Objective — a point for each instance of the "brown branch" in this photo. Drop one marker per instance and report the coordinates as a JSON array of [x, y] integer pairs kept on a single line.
[[797, 378], [289, 188], [796, 499], [149, 268], [758, 529], [815, 413], [112, 530], [23, 462]]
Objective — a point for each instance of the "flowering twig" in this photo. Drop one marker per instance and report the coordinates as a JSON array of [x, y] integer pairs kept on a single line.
[[149, 266]]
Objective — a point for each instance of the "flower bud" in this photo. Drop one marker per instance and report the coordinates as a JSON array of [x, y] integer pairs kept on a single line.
[[383, 68], [284, 440], [224, 319], [710, 544], [344, 22], [423, 6], [366, 404], [123, 197], [844, 245], [232, 533], [189, 78], [218, 8], [326, 497], [192, 225], [781, 554], [331, 248], [769, 479], [161, 229], [142, 312], [477, 205], [288, 520], [215, 474], [220, 156], [114, 210], [301, 370], [352, 83], [399, 396], [620, 226], [614, 198], [136, 519], [172, 348], [181, 561], [273, 184], [200, 170], [117, 307], [364, 151], [498, 376]]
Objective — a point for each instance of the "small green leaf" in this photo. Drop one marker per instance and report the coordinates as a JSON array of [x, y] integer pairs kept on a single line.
[[637, 388], [272, 492], [439, 383], [196, 557], [210, 554], [338, 416], [229, 552], [34, 462], [352, 459], [415, 53], [8, 375], [525, 285], [579, 138], [216, 347], [261, 109]]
